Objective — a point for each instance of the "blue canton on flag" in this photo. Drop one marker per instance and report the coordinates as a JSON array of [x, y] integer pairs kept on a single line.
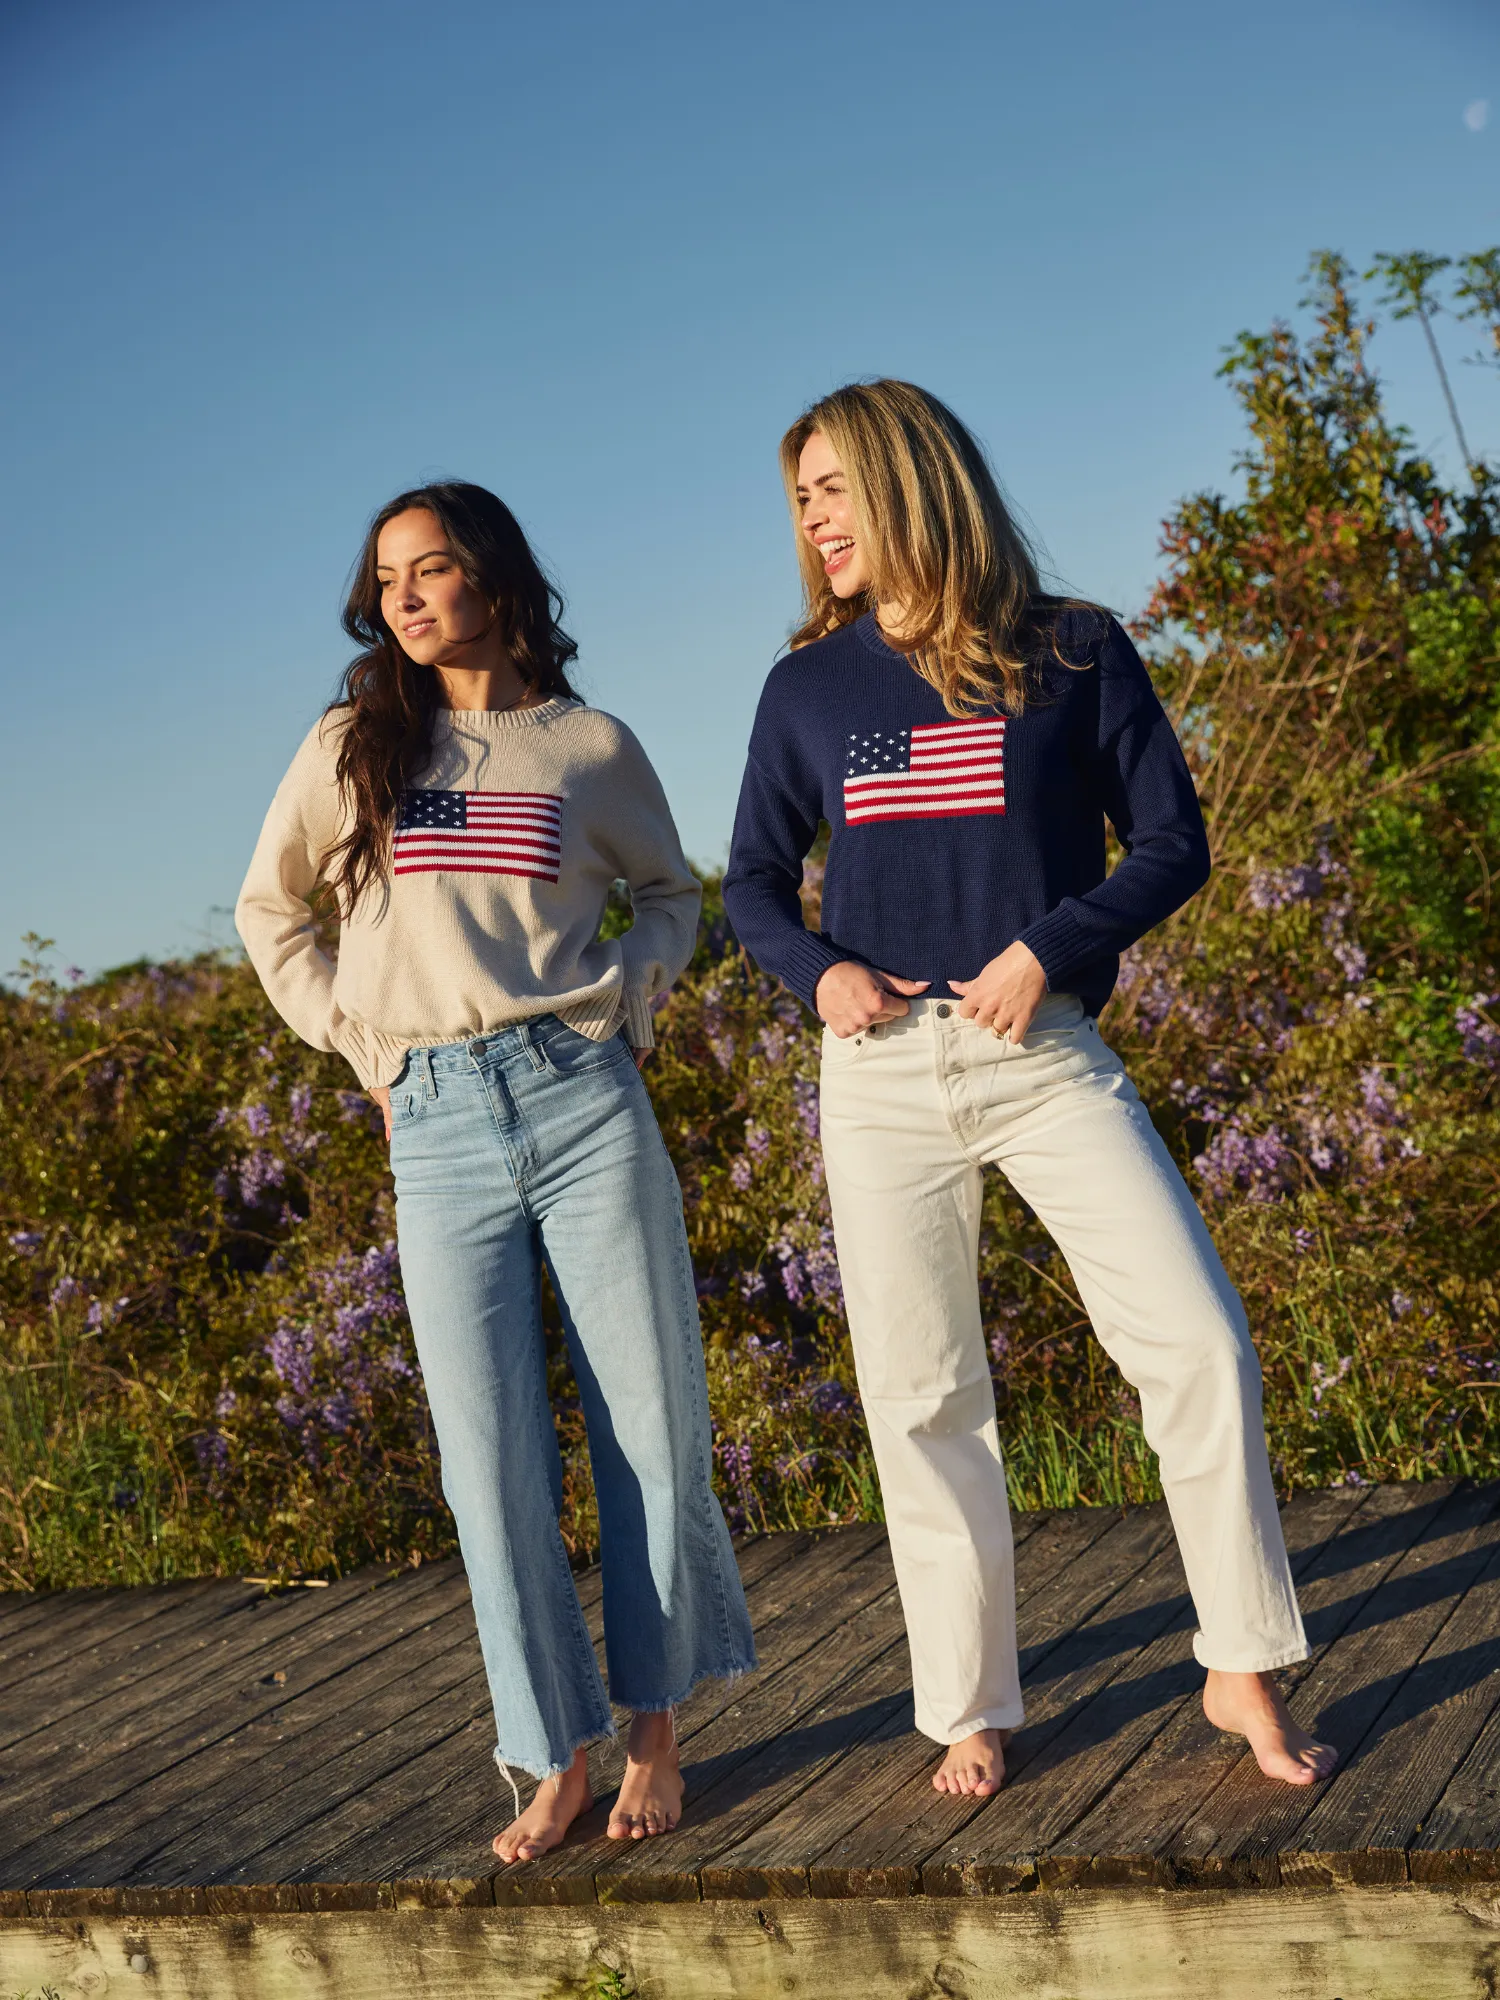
[[479, 833], [936, 770]]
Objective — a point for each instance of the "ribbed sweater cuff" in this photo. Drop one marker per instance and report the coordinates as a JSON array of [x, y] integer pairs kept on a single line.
[[1061, 944], [807, 958], [640, 1025]]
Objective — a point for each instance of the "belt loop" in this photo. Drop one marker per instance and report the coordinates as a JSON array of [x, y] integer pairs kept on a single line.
[[536, 1056], [430, 1084]]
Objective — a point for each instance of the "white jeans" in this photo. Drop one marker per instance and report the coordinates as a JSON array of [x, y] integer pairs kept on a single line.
[[911, 1111]]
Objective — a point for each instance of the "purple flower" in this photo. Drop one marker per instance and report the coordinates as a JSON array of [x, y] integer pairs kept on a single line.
[[1480, 1038], [257, 1120], [290, 1352], [26, 1242], [805, 1091], [1263, 1164], [757, 1140], [752, 1285], [338, 1411], [1305, 1240], [1353, 962], [772, 1043], [65, 1291], [259, 1172], [301, 1102], [226, 1402], [1329, 1378], [741, 1173], [94, 1318], [1277, 888], [1401, 1305], [211, 1448]]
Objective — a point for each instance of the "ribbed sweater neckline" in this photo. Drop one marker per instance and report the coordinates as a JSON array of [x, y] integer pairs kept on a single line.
[[867, 626], [499, 719]]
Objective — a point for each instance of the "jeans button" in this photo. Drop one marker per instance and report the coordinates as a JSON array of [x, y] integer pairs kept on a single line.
[[944, 1010]]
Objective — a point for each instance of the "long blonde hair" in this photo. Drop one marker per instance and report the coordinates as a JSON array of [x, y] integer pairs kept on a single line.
[[938, 537]]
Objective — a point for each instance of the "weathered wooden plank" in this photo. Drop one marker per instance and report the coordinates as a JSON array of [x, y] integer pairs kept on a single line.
[[247, 1838], [1093, 1764], [821, 1722], [202, 1700], [49, 1638], [1363, 1944], [884, 1852], [104, 1660], [871, 1702], [1107, 1733], [774, 1858], [1361, 1827], [1068, 1711], [794, 1613], [1128, 1838], [1460, 1838], [205, 1800], [790, 1608], [1239, 1831]]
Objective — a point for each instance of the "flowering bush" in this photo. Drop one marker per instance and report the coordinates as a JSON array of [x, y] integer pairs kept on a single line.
[[206, 1361]]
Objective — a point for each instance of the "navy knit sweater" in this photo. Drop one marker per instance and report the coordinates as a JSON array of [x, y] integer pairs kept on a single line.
[[951, 838]]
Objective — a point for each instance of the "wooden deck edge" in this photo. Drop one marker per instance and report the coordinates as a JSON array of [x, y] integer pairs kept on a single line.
[[1286, 1944], [1019, 1875]]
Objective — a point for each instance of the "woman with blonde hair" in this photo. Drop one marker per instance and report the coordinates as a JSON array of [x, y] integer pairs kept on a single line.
[[966, 737]]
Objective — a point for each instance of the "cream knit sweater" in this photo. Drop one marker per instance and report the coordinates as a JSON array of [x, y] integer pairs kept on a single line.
[[505, 851]]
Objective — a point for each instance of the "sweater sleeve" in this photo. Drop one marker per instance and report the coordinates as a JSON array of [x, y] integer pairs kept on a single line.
[[274, 915], [775, 825], [665, 894], [1146, 789]]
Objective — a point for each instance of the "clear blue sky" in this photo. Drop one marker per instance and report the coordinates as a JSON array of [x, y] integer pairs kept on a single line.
[[268, 261]]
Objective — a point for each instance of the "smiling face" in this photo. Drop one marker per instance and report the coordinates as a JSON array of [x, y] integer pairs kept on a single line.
[[827, 517], [425, 598]]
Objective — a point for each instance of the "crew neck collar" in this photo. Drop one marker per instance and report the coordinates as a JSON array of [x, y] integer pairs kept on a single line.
[[504, 718], [868, 628]]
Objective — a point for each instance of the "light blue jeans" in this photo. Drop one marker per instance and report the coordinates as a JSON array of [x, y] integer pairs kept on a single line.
[[536, 1144]]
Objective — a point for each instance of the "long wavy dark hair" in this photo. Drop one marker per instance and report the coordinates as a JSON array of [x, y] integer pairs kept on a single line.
[[391, 702]]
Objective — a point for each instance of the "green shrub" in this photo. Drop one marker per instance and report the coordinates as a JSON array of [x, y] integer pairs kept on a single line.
[[206, 1363]]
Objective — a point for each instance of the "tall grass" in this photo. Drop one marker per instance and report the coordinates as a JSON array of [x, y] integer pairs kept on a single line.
[[205, 1364]]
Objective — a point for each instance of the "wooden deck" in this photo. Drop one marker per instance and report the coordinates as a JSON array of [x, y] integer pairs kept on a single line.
[[213, 1789]]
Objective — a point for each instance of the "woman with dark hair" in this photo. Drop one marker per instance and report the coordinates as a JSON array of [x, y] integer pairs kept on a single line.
[[471, 816], [966, 737]]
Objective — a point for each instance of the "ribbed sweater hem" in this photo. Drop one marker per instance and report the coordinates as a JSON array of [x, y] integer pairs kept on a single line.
[[376, 1057]]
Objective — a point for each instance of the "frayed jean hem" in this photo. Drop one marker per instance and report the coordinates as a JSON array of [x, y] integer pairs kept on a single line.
[[604, 1733], [735, 1671]]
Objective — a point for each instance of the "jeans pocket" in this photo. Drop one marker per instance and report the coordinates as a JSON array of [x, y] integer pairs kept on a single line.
[[408, 1096], [567, 1053], [843, 1051]]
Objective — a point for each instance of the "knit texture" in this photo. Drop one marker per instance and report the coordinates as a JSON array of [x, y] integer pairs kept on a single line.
[[452, 943], [950, 841]]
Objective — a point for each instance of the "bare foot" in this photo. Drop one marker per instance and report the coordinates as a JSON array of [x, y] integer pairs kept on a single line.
[[650, 1798], [1253, 1706], [975, 1766], [557, 1803]]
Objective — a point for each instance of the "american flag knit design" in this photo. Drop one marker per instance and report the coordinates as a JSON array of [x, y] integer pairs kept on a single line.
[[479, 833], [936, 770]]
